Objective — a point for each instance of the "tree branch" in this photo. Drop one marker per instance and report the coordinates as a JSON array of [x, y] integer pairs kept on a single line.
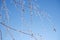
[[32, 35]]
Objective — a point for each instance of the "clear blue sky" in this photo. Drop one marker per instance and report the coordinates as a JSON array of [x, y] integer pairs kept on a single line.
[[41, 25]]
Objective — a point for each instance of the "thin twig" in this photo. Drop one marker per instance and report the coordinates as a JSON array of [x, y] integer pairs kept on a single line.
[[0, 16], [22, 12], [0, 35], [30, 9], [5, 9]]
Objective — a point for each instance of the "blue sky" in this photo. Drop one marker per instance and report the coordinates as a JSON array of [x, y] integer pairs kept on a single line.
[[41, 25]]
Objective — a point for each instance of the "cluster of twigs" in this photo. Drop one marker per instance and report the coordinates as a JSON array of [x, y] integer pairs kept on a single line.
[[8, 27], [31, 7]]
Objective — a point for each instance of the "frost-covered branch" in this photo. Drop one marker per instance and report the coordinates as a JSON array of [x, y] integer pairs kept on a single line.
[[32, 35]]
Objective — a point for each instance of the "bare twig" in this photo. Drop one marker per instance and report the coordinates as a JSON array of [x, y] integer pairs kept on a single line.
[[38, 12], [30, 9], [0, 35], [22, 12], [5, 9], [0, 16], [15, 3], [54, 30]]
